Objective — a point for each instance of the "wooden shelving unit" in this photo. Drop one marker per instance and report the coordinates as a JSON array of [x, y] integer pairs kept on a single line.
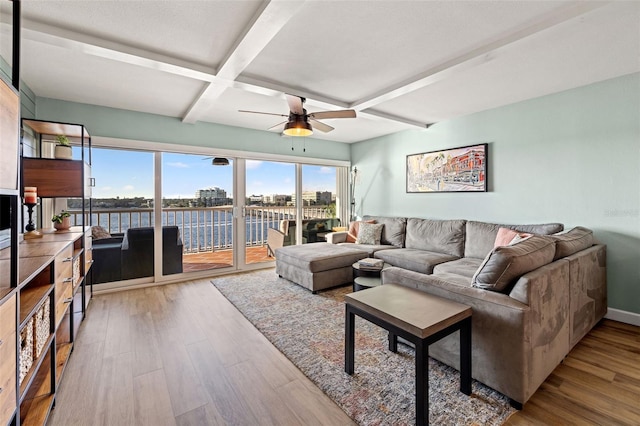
[[36, 273]]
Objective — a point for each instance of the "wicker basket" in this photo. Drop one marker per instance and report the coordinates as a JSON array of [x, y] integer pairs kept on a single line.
[[41, 328], [76, 271], [26, 349]]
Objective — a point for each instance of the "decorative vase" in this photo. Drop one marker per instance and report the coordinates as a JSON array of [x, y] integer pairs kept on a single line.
[[63, 152], [64, 225]]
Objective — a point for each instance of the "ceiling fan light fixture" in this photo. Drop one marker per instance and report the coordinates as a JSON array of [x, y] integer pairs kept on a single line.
[[220, 161], [298, 128]]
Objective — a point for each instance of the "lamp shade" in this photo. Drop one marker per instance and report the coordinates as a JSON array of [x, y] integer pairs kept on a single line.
[[298, 128], [220, 161]]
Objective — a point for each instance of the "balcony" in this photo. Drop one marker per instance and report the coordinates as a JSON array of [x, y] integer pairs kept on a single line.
[[206, 232]]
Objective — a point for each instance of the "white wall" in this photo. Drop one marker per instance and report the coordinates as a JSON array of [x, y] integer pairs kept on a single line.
[[572, 157]]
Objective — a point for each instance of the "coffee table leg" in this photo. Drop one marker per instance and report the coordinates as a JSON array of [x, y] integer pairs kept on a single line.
[[422, 383], [465, 356], [349, 337], [393, 342]]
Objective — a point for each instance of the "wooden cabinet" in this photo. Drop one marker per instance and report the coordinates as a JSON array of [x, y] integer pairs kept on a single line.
[[54, 178], [45, 312], [8, 338], [9, 135]]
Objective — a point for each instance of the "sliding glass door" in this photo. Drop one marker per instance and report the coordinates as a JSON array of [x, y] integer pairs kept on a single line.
[[269, 202], [165, 214], [197, 213]]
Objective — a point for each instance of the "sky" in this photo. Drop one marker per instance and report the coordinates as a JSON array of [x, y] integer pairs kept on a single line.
[[130, 174]]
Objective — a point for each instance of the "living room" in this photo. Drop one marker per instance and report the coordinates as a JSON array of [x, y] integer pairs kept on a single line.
[[557, 153]]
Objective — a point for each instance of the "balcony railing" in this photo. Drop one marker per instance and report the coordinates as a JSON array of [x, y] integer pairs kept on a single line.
[[203, 229]]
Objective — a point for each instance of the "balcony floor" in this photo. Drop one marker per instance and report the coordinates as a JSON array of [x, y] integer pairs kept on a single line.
[[221, 259]]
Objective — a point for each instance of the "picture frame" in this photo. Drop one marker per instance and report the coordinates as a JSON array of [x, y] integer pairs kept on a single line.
[[462, 169]]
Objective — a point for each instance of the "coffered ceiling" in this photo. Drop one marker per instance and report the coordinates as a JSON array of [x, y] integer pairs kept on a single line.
[[399, 64]]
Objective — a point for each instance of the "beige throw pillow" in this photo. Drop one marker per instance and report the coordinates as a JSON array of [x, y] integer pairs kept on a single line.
[[354, 227], [369, 233]]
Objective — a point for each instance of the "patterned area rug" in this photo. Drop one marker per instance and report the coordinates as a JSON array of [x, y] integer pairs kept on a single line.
[[309, 330]]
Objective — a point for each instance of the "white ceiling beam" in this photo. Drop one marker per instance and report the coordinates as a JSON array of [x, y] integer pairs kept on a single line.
[[237, 60], [477, 56], [54, 36], [265, 25], [276, 90]]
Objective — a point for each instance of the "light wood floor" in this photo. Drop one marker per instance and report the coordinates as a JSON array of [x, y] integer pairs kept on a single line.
[[181, 354], [598, 383]]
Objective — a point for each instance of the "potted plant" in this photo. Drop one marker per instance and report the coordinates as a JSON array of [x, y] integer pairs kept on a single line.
[[63, 148], [61, 221]]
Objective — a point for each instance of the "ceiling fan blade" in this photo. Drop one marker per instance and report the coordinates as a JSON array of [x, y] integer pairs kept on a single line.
[[295, 104], [317, 125], [278, 126], [343, 113], [265, 113]]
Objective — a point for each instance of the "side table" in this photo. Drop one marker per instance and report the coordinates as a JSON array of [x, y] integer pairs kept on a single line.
[[366, 278], [418, 317]]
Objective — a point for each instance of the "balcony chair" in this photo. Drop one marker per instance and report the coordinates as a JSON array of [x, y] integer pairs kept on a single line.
[[313, 230], [137, 252], [285, 236], [106, 257]]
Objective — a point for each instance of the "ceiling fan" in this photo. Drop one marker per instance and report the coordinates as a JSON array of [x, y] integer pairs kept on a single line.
[[299, 123]]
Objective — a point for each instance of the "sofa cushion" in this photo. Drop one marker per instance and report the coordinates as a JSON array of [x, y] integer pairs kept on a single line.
[[319, 256], [467, 267], [412, 259], [441, 236], [394, 229], [505, 264], [369, 233], [481, 236], [570, 242], [370, 249], [354, 227]]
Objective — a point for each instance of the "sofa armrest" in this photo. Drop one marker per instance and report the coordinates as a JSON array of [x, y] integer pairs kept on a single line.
[[337, 237], [111, 240]]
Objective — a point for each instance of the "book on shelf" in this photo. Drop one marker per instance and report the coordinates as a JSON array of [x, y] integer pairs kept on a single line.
[[371, 263]]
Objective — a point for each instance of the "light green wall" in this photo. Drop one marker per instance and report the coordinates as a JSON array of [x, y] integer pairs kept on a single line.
[[117, 123], [27, 97], [571, 157]]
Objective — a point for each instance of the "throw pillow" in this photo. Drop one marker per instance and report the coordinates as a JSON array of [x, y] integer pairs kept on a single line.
[[369, 233], [352, 235], [508, 236], [98, 233], [505, 264]]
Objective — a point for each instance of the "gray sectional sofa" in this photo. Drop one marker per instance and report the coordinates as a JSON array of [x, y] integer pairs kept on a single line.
[[532, 301]]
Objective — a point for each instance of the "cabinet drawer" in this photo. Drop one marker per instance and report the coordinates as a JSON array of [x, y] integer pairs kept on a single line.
[[7, 377], [88, 251], [64, 265], [63, 298], [8, 318]]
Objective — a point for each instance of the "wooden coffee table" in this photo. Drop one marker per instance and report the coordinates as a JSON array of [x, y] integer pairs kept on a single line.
[[418, 317]]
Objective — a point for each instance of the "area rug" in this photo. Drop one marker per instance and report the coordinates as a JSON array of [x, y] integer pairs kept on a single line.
[[309, 330]]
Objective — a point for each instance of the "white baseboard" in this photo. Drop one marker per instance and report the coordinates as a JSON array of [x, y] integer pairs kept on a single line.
[[623, 316]]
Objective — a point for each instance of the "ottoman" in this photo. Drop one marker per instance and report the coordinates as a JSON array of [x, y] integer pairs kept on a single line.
[[317, 266]]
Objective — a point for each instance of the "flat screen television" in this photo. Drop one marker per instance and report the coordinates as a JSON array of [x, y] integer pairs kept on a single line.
[[5, 221]]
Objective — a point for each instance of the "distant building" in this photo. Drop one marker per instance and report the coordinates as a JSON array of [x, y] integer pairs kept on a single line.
[[275, 199], [254, 199], [214, 193], [312, 198]]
